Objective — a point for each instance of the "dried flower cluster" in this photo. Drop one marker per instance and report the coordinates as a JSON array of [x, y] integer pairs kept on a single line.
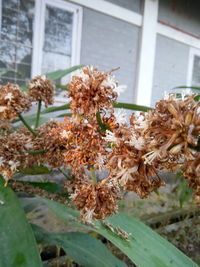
[[132, 153], [92, 90], [41, 89], [12, 101]]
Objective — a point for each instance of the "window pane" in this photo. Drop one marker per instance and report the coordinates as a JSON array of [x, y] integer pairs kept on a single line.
[[16, 39], [57, 39], [196, 71]]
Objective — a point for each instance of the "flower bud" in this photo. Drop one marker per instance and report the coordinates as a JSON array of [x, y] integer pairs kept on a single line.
[[172, 110], [188, 118], [176, 149]]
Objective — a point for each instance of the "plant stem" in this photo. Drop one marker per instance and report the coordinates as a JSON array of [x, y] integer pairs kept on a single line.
[[38, 113], [68, 177], [27, 125], [33, 152], [92, 171]]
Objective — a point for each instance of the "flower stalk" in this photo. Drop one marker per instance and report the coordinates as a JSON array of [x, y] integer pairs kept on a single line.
[[27, 125], [94, 179], [38, 114]]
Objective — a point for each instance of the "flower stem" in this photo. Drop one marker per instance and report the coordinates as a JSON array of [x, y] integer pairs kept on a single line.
[[27, 125], [94, 179], [34, 152], [38, 113], [66, 176]]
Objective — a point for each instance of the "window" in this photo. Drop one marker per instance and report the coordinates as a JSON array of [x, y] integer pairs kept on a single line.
[[194, 68], [38, 36], [16, 44]]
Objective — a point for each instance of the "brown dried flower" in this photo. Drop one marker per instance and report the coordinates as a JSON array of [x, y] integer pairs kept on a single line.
[[5, 127], [12, 101], [96, 201], [191, 171], [49, 139], [41, 89], [83, 143], [92, 90], [13, 154]]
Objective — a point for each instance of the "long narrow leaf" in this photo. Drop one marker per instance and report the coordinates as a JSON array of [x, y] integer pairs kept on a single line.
[[54, 109], [17, 243], [64, 115], [81, 247], [145, 247], [61, 86], [131, 106], [55, 75], [184, 86], [36, 170]]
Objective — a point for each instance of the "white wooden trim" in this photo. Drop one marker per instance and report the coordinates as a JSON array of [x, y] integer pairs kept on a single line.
[[111, 10], [178, 35], [38, 35], [193, 52], [76, 36], [0, 15], [147, 53], [39, 27]]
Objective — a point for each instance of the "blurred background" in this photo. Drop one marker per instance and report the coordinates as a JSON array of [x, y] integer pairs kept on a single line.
[[155, 43]]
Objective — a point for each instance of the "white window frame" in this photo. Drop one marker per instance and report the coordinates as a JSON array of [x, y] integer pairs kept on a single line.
[[193, 52], [39, 27]]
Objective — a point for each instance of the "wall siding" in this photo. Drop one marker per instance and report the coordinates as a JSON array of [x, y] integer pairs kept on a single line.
[[171, 64], [136, 5], [110, 43]]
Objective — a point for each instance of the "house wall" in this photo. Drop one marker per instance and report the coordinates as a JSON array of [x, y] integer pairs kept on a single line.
[[172, 57], [170, 68], [136, 5], [110, 43]]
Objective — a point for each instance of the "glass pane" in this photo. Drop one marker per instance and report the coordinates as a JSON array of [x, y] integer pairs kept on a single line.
[[196, 71], [8, 29], [23, 54], [10, 3], [57, 39], [7, 52], [53, 61], [57, 42], [16, 39]]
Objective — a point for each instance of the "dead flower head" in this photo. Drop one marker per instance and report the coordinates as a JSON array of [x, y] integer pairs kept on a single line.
[[12, 101], [191, 171], [92, 90], [50, 140], [13, 154], [96, 201], [41, 88]]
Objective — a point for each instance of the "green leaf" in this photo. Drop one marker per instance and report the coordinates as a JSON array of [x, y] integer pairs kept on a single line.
[[30, 119], [28, 203], [17, 243], [184, 86], [56, 108], [81, 247], [36, 170], [64, 115], [197, 97], [48, 186], [35, 152], [145, 247], [55, 75], [131, 106], [60, 86], [185, 192]]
